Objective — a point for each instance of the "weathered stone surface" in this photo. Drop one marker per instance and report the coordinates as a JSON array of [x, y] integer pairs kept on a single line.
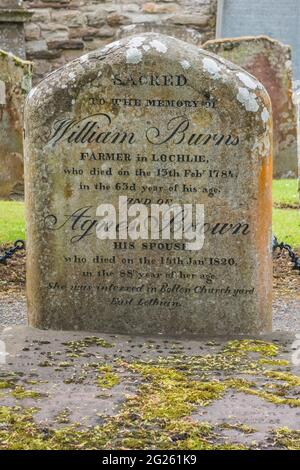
[[176, 31], [12, 19], [193, 20], [15, 82], [71, 18], [71, 44], [39, 50], [12, 4], [116, 19], [296, 99], [97, 16], [158, 121], [32, 32], [12, 38], [270, 62], [41, 16], [151, 7], [277, 19]]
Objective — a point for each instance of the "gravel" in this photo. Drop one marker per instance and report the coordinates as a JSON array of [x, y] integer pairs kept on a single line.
[[13, 311]]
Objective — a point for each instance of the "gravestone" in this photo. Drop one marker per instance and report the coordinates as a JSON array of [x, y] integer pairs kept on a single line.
[[270, 62], [176, 31], [149, 123], [15, 83], [278, 19], [296, 99], [12, 19]]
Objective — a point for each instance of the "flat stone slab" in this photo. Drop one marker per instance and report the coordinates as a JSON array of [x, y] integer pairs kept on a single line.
[[97, 391]]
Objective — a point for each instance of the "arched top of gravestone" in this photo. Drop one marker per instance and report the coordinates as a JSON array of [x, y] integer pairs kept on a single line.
[[151, 61], [228, 44]]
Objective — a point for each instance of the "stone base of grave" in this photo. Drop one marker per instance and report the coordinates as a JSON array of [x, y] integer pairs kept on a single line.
[[84, 390]]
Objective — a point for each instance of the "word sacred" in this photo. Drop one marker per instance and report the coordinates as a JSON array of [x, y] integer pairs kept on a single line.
[[150, 80]]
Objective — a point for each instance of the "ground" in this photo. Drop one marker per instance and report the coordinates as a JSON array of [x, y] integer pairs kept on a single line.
[[69, 390], [63, 390]]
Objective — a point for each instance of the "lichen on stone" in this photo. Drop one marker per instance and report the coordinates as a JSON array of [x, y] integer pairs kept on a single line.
[[287, 438], [107, 378], [20, 393]]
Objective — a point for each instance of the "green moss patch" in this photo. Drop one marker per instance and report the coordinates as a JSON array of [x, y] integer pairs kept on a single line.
[[288, 439], [107, 378], [20, 393]]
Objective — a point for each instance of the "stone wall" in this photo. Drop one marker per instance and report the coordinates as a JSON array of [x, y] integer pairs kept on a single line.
[[61, 30]]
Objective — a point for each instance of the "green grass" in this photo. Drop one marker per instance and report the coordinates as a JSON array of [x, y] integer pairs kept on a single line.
[[12, 221], [286, 226], [286, 222], [285, 192]]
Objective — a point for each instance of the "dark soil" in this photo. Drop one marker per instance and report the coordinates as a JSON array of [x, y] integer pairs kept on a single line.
[[12, 274]]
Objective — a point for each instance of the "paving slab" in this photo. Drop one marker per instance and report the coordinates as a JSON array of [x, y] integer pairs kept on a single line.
[[86, 390]]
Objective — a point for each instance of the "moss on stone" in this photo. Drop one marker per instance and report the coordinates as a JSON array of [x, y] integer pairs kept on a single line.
[[45, 364], [290, 379], [287, 438], [249, 345], [63, 417], [238, 427], [107, 378], [20, 393], [170, 394], [64, 364], [17, 61], [274, 362], [78, 348], [4, 384], [271, 397]]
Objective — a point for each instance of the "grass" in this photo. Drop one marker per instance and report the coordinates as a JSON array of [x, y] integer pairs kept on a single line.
[[286, 226], [285, 192], [12, 221], [286, 222]]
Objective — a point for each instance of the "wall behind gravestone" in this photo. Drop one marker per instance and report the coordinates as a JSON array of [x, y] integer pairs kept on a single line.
[[279, 19], [62, 30]]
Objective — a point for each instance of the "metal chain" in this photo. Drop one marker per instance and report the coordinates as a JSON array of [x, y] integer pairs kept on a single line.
[[284, 246], [17, 246]]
